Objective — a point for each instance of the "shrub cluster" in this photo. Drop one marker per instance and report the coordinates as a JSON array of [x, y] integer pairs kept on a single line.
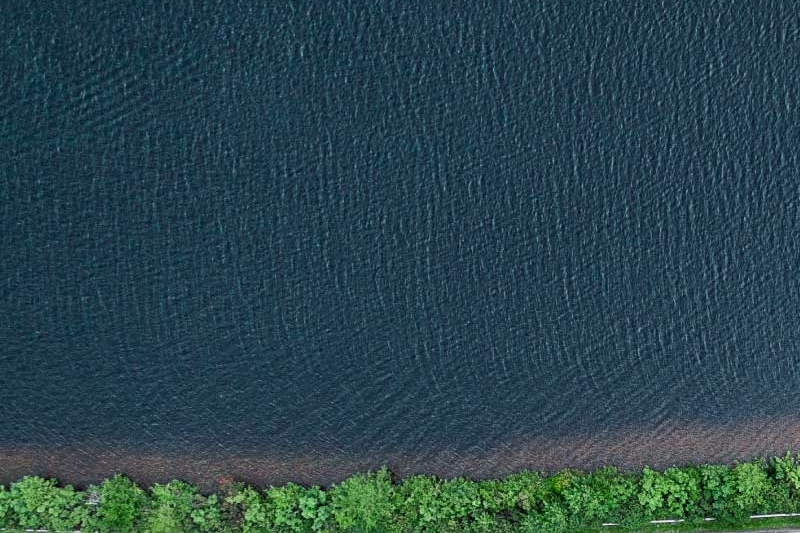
[[567, 501]]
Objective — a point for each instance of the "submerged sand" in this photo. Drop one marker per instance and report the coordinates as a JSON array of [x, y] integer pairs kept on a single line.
[[631, 448]]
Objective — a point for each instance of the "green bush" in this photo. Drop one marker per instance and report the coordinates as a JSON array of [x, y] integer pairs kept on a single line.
[[752, 487], [207, 515], [460, 500], [420, 503], [675, 493], [558, 483], [231, 511], [599, 497], [36, 503], [717, 491], [248, 509], [429, 504], [528, 490], [284, 508], [314, 508], [553, 518], [365, 502], [5, 505], [171, 508], [784, 473], [294, 509], [120, 506]]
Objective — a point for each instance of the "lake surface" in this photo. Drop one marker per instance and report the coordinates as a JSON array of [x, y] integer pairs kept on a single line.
[[289, 241]]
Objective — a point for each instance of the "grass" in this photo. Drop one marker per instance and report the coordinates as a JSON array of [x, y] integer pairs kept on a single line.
[[761, 524]]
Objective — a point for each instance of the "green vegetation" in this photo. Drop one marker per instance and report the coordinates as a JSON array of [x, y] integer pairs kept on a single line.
[[526, 502]]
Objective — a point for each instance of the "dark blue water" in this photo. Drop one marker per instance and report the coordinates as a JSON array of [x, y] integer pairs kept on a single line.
[[378, 230]]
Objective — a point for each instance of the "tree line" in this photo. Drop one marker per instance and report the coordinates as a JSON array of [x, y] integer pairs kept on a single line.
[[566, 501]]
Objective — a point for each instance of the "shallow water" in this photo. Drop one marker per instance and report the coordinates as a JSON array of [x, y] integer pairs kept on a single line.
[[454, 239]]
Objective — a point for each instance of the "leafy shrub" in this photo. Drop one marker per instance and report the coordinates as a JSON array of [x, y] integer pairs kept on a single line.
[[420, 503], [672, 494], [284, 508], [558, 483], [429, 504], [784, 475], [752, 487], [528, 490], [232, 512], [786, 471], [36, 503], [171, 507], [496, 497], [553, 518], [598, 497], [364, 502], [717, 491], [314, 508], [295, 509], [486, 523], [460, 500], [248, 510], [5, 506], [207, 515], [120, 506]]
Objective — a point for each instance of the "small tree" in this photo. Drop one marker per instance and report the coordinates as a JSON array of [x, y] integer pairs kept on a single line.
[[5, 507], [717, 491], [284, 503], [171, 507], [528, 490], [786, 482], [120, 507], [247, 509], [315, 509], [752, 486], [365, 502], [420, 504], [672, 494], [599, 496], [35, 503], [207, 515]]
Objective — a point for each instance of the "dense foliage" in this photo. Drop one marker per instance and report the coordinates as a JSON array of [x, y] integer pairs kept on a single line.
[[567, 501]]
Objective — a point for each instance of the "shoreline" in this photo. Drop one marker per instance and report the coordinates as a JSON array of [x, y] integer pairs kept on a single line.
[[629, 449]]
